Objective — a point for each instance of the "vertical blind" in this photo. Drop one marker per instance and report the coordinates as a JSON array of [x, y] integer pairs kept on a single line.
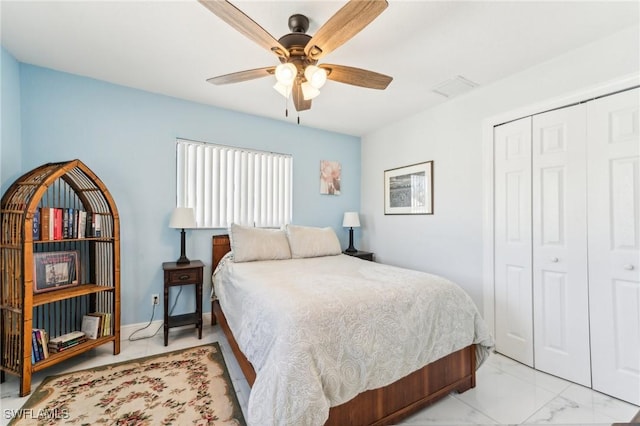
[[225, 184]]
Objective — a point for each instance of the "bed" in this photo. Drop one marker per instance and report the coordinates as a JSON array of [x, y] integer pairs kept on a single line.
[[295, 316]]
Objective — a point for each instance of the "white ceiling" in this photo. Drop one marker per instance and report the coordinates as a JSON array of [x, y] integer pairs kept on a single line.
[[172, 47]]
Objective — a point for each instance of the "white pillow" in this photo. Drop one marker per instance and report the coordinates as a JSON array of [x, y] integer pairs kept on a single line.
[[307, 241], [249, 244]]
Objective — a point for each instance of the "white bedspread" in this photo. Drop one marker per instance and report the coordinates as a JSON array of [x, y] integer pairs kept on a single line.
[[319, 331]]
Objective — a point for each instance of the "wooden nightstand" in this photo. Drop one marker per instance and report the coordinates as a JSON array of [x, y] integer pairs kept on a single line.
[[360, 254], [177, 275]]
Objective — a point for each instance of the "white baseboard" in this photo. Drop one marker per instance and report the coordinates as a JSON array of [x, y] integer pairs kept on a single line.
[[127, 330]]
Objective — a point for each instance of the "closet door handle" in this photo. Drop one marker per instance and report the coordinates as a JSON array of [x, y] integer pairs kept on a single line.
[[628, 267], [554, 260]]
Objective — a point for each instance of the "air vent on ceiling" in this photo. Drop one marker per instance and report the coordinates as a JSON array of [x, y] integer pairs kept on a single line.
[[454, 86]]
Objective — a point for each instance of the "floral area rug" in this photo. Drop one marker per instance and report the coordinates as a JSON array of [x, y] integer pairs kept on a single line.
[[185, 387]]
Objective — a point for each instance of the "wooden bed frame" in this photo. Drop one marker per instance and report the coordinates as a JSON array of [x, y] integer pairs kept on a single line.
[[382, 406]]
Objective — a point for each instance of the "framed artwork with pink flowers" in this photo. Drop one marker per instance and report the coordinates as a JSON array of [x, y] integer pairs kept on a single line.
[[330, 172]]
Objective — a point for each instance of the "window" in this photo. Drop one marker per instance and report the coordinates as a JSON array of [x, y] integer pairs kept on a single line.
[[224, 184]]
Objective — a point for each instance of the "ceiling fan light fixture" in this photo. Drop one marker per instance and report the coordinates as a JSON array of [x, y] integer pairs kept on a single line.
[[283, 89], [298, 50], [286, 73], [316, 76], [308, 91]]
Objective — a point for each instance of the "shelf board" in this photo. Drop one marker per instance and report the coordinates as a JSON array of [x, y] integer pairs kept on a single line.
[[181, 320], [55, 357], [68, 293]]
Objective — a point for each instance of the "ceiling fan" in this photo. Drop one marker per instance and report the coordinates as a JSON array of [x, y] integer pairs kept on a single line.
[[298, 75]]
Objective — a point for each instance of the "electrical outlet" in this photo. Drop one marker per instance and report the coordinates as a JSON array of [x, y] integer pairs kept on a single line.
[[155, 299]]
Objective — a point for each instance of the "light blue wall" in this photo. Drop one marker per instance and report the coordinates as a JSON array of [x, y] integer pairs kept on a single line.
[[10, 158], [127, 137]]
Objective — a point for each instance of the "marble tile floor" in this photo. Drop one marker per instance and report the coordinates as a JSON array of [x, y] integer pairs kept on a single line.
[[506, 392]]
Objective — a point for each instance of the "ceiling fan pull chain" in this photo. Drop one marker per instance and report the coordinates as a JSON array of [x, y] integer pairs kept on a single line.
[[298, 118]]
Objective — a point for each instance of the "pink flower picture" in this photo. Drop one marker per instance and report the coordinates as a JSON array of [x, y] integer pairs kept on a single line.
[[330, 177]]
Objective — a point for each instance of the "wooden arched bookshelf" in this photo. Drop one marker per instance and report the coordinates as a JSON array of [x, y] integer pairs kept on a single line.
[[82, 271]]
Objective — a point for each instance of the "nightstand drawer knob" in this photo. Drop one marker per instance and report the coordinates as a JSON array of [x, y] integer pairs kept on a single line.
[[184, 277]]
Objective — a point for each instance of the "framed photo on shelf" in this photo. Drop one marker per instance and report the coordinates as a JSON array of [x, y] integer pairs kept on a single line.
[[55, 270], [409, 189]]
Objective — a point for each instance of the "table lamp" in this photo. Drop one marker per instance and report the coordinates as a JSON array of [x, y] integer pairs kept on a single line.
[[351, 220], [181, 218]]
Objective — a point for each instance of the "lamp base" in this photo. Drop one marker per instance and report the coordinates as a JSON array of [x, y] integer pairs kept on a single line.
[[183, 259], [351, 248]]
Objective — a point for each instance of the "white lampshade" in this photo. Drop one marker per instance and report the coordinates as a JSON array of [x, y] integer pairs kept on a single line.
[[283, 89], [351, 220], [308, 91], [315, 76], [286, 73], [182, 217]]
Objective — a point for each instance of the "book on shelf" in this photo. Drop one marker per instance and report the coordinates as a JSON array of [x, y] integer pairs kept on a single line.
[[82, 223], [70, 222], [57, 347], [94, 226], [65, 223], [62, 348], [44, 223], [76, 217], [57, 224], [54, 223], [35, 353], [105, 323], [101, 317], [97, 227], [91, 326], [68, 219], [35, 235], [90, 228], [65, 338], [38, 336], [43, 341], [39, 345], [52, 219]]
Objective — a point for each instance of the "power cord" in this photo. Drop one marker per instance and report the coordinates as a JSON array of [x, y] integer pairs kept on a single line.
[[153, 312]]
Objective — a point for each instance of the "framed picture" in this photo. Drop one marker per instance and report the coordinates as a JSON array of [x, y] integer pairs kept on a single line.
[[330, 175], [409, 189], [55, 270]]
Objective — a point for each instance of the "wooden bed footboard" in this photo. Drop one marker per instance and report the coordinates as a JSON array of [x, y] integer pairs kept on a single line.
[[382, 406], [389, 404]]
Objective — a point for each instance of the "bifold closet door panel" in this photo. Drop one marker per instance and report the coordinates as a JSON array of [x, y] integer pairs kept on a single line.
[[560, 280], [512, 223], [614, 243]]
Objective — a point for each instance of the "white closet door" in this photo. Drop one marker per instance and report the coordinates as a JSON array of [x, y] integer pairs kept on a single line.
[[560, 281], [512, 291], [614, 244]]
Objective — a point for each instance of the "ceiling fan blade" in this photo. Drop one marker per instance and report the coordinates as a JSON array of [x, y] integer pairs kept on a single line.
[[346, 23], [237, 77], [357, 76], [298, 98], [245, 25]]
